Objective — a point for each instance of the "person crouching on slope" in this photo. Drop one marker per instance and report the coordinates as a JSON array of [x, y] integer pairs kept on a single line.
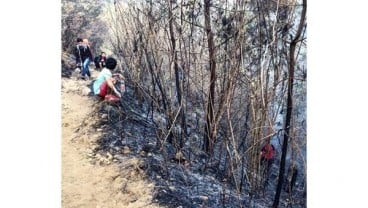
[[267, 155], [104, 84]]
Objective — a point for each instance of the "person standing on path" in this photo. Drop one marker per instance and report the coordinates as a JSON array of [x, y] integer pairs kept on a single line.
[[87, 57], [83, 56], [77, 53]]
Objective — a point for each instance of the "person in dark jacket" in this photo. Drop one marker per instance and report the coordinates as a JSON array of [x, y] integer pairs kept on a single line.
[[100, 61], [83, 56], [77, 53]]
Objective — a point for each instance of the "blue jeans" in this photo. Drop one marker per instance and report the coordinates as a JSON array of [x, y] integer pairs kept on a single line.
[[85, 68]]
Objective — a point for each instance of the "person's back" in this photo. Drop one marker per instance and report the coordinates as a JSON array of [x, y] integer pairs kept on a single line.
[[102, 76]]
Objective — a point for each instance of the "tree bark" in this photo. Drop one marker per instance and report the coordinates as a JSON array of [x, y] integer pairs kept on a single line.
[[289, 104], [176, 68], [209, 136]]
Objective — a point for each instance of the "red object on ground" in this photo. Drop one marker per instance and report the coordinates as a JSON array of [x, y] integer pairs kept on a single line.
[[111, 98]]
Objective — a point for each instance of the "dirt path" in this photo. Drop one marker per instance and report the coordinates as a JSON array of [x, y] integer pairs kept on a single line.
[[85, 184]]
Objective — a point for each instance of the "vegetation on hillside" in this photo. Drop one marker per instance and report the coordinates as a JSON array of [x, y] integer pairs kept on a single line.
[[216, 79]]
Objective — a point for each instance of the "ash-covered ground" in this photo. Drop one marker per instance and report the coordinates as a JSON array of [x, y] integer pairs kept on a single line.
[[182, 179]]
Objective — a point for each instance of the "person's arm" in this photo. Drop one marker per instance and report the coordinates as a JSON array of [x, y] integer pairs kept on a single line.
[[77, 55], [110, 83], [119, 75], [90, 53], [100, 60]]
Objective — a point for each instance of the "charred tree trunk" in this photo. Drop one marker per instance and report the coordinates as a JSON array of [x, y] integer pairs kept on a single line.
[[289, 104], [174, 53], [176, 68], [209, 137]]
